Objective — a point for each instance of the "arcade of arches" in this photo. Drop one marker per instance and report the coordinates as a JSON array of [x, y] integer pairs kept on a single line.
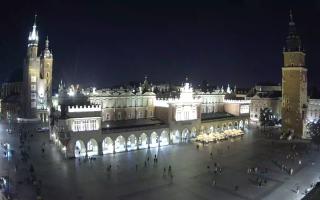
[[132, 142]]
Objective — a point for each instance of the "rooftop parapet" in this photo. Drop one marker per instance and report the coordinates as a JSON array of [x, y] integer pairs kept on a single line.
[[84, 108], [237, 101]]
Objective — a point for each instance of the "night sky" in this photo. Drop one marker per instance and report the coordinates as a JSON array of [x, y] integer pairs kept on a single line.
[[103, 44]]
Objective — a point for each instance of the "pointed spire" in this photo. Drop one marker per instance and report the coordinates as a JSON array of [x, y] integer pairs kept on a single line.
[[293, 42], [33, 35], [35, 20], [291, 18], [292, 28], [47, 52], [228, 89], [47, 43]]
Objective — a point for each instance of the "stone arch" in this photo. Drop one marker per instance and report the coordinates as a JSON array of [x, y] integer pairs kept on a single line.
[[224, 127], [246, 123], [193, 132], [154, 140], [236, 125], [175, 137], [79, 148], [230, 126], [241, 124], [164, 138], [132, 143], [218, 128], [120, 144], [185, 135], [107, 145], [211, 129], [92, 147], [143, 141]]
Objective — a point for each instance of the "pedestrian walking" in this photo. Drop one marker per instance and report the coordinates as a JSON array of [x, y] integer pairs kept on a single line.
[[213, 183], [164, 172]]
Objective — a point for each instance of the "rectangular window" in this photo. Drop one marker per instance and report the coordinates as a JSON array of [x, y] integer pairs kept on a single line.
[[119, 115], [33, 95], [33, 79], [33, 87]]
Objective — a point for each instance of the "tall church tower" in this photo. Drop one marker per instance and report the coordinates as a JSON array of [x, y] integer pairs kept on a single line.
[[37, 78], [31, 74], [294, 83]]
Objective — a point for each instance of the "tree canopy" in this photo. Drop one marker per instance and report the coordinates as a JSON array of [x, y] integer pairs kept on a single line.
[[313, 129]]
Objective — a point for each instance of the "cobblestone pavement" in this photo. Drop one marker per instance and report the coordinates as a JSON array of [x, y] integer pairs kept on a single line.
[[75, 179]]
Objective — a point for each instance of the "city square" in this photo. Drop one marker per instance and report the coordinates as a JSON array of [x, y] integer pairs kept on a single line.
[[157, 100], [192, 170]]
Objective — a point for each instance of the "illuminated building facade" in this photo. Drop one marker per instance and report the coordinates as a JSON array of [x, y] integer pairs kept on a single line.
[[37, 78], [266, 96], [87, 122]]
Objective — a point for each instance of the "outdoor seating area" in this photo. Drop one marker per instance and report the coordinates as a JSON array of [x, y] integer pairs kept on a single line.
[[217, 136]]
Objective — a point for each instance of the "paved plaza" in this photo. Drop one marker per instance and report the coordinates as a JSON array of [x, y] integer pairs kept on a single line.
[[192, 171]]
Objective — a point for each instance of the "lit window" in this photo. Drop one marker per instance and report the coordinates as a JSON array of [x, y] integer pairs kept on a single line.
[[33, 79]]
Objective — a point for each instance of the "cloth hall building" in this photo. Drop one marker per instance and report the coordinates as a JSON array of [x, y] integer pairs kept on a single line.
[[95, 122]]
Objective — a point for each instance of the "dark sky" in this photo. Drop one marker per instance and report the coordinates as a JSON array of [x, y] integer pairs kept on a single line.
[[106, 43]]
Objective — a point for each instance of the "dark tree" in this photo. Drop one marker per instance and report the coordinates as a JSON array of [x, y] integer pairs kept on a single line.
[[267, 118], [314, 132]]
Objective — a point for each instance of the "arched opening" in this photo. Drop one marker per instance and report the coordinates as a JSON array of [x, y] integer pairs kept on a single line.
[[185, 135], [236, 125], [120, 144], [143, 141], [153, 140], [211, 129], [230, 126], [164, 138], [79, 149], [175, 137], [132, 143], [193, 132], [218, 129], [224, 127], [92, 147], [241, 124], [107, 145], [246, 123]]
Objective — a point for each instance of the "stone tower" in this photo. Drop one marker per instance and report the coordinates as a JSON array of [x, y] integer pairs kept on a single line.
[[37, 78], [46, 71], [294, 84], [31, 74]]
